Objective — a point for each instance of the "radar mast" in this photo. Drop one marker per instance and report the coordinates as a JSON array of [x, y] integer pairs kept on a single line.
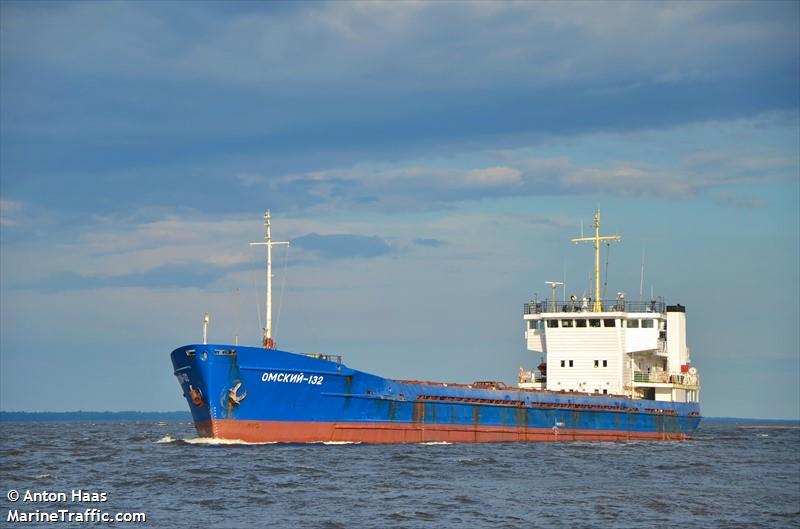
[[597, 306]]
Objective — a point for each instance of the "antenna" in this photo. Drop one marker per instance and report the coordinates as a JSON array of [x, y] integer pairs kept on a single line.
[[283, 284], [554, 286], [206, 320], [236, 322], [641, 277], [267, 341], [605, 278], [258, 304], [598, 306]]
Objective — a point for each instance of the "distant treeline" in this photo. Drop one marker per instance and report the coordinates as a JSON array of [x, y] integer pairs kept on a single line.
[[745, 421], [92, 416], [742, 420]]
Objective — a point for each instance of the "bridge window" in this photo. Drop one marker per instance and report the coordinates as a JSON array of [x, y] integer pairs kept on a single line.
[[605, 363], [609, 323], [633, 324], [566, 323], [570, 363], [647, 324], [580, 323], [535, 324], [552, 324], [597, 363], [594, 323]]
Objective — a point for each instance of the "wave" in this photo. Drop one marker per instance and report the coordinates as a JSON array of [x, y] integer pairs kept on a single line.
[[207, 441], [770, 427], [214, 441], [431, 443]]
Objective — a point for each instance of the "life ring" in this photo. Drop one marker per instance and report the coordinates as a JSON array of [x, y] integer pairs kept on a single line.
[[692, 370]]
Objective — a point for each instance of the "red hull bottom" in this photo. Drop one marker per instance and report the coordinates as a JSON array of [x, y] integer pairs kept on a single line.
[[392, 433]]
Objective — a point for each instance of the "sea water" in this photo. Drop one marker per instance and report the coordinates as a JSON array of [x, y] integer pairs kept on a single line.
[[729, 475]]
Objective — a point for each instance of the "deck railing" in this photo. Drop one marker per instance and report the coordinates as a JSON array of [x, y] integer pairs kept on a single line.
[[330, 358], [616, 305], [685, 379], [531, 376]]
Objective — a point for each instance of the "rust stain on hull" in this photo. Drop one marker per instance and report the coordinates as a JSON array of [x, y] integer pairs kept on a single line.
[[393, 433]]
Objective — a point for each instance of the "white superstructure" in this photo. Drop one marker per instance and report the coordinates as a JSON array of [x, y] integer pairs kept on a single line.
[[612, 347]]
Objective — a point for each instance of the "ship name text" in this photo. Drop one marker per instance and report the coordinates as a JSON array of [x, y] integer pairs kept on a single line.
[[292, 378]]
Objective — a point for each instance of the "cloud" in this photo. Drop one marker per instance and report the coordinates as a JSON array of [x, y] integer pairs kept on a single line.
[[493, 176], [250, 179], [8, 211], [747, 165], [193, 249], [332, 182], [431, 243], [321, 44], [119, 104], [125, 246], [730, 198], [190, 275], [145, 84], [562, 176], [430, 187], [341, 245]]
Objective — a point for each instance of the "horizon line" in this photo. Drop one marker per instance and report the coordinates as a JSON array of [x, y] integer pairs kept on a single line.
[[187, 412]]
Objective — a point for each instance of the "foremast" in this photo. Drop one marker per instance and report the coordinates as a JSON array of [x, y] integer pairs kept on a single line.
[[267, 340]]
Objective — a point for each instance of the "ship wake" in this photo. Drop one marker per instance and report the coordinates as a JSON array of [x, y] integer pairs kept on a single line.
[[211, 441]]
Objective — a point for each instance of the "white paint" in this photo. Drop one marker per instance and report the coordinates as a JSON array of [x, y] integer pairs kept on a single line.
[[627, 348]]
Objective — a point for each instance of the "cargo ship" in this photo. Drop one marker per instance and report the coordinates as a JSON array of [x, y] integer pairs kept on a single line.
[[612, 370]]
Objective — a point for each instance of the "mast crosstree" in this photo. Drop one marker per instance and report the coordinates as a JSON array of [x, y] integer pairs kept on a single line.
[[268, 341], [597, 239]]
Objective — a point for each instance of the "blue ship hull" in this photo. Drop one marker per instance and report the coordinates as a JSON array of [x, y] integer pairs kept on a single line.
[[263, 395]]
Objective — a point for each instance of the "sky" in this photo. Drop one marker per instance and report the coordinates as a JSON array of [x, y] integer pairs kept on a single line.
[[429, 162]]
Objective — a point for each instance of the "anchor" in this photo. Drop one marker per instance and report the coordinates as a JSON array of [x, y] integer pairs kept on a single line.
[[232, 394], [196, 396]]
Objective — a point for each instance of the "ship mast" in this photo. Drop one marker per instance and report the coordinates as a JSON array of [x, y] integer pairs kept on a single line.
[[267, 340], [598, 306]]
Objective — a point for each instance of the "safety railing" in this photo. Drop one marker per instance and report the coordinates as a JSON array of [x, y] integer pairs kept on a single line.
[[616, 305], [685, 379], [527, 377], [330, 358]]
